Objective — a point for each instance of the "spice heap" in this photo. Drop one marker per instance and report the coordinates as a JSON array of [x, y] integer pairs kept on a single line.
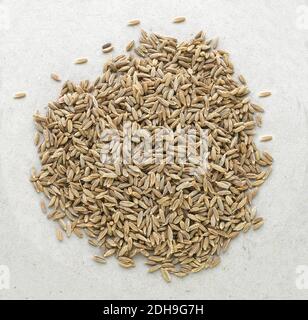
[[180, 218]]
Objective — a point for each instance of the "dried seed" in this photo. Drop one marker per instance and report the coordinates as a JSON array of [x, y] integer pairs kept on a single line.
[[37, 138], [68, 229], [242, 79], [126, 264], [264, 94], [177, 214], [19, 95], [179, 19], [106, 45], [154, 268], [165, 274], [266, 138], [59, 235], [99, 259], [130, 45], [81, 60], [215, 42], [133, 22], [55, 77], [107, 49], [257, 224]]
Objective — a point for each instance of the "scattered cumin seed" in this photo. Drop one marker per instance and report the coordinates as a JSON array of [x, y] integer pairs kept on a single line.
[[257, 225], [59, 235], [133, 22], [179, 19], [99, 259], [55, 77], [19, 95], [264, 94], [107, 49], [181, 274], [106, 45], [266, 138], [165, 274], [81, 60]]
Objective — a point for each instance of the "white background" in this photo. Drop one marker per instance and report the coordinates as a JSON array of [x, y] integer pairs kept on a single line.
[[268, 42]]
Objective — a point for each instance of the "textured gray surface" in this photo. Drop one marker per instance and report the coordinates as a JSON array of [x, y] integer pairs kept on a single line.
[[268, 44]]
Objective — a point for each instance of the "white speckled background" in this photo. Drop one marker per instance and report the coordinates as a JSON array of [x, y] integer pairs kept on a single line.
[[268, 42]]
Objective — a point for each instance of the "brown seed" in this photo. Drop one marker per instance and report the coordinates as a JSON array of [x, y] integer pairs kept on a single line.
[[215, 43], [99, 259], [55, 77], [165, 274], [69, 126], [59, 235], [242, 79], [130, 45], [19, 95], [179, 19], [37, 138], [81, 61], [78, 233], [126, 264], [107, 49], [106, 45], [133, 22], [179, 215], [154, 268], [68, 229], [257, 225], [266, 138], [264, 94]]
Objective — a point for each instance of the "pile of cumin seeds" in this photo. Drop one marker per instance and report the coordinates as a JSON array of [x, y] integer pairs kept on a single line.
[[181, 222]]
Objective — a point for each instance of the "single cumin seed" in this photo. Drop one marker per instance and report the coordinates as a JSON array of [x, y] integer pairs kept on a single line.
[[266, 138], [99, 259], [179, 19], [36, 138], [81, 60], [19, 95], [264, 94], [107, 49], [106, 45], [133, 22], [242, 79], [215, 42], [130, 45], [59, 235], [165, 274], [55, 77]]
